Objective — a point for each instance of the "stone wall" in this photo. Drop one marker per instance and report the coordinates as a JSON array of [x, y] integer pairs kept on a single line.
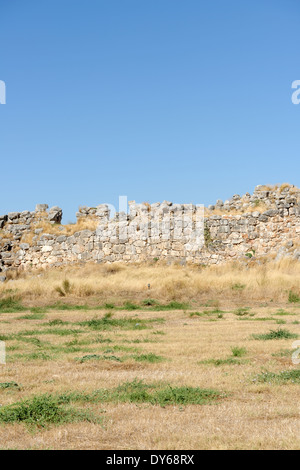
[[266, 222]]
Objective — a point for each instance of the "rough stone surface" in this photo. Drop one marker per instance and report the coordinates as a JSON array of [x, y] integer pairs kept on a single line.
[[266, 222]]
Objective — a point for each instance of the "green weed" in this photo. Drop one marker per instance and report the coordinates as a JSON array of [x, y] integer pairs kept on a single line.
[[238, 351], [283, 377], [293, 297], [11, 304], [41, 411], [276, 334]]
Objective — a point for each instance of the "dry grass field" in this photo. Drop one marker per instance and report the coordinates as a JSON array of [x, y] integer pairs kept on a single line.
[[151, 357]]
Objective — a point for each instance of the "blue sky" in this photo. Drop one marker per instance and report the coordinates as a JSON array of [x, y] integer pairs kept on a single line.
[[188, 101]]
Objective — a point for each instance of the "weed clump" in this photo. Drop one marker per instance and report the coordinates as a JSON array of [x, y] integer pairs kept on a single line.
[[281, 333], [148, 358], [283, 377], [139, 392], [242, 311], [238, 351], [97, 357], [5, 385], [64, 289], [107, 322], [42, 411], [293, 297]]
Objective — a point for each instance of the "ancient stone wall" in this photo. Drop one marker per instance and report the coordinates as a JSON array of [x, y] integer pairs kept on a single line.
[[266, 222]]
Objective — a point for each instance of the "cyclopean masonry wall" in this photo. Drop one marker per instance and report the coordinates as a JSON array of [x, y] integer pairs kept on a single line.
[[267, 222]]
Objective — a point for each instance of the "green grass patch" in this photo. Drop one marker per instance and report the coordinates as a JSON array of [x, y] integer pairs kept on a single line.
[[242, 311], [35, 341], [197, 314], [256, 319], [150, 302], [11, 304], [62, 307], [238, 286], [184, 396], [49, 331], [140, 340], [283, 353], [283, 377], [129, 306], [6, 337], [282, 312], [148, 358], [109, 306], [38, 310], [57, 322], [6, 385], [139, 392], [208, 313], [293, 297], [80, 342], [101, 339], [97, 357], [108, 323], [170, 306], [238, 351], [32, 316], [275, 334], [34, 356], [42, 411], [120, 348]]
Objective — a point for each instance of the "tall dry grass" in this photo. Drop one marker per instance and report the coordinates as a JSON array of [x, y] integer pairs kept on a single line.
[[114, 282]]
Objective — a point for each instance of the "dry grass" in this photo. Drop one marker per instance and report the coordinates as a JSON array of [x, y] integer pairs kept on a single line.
[[258, 207], [6, 235], [251, 416], [192, 347], [87, 223], [230, 283]]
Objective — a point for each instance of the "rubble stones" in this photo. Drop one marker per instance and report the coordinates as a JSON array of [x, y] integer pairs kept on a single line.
[[268, 221]]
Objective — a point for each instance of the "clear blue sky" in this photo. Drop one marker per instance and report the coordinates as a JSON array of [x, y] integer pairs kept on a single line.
[[184, 100]]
